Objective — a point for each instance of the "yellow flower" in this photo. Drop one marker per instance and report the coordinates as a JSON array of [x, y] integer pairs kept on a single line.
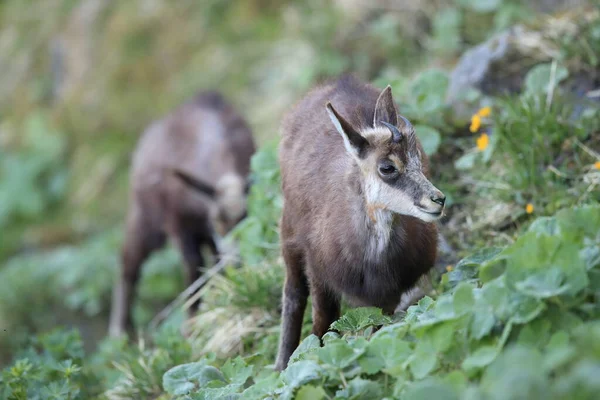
[[529, 208], [483, 141], [485, 112], [597, 165], [449, 268], [475, 123]]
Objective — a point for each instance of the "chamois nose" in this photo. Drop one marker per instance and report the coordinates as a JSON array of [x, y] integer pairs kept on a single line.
[[439, 199]]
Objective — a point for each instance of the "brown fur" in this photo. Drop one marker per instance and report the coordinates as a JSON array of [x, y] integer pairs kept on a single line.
[[206, 144], [326, 223]]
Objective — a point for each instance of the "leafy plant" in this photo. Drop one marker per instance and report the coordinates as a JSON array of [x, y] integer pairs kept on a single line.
[[50, 368], [529, 138], [520, 324]]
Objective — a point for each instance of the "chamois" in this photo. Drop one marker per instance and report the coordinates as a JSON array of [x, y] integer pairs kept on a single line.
[[189, 182], [358, 206]]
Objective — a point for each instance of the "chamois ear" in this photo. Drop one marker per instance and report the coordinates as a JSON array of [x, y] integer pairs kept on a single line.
[[354, 142], [385, 108]]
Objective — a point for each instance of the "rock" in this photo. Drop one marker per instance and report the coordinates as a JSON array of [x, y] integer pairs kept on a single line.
[[500, 64]]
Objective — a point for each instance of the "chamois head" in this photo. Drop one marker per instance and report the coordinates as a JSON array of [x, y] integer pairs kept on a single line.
[[389, 158], [228, 198]]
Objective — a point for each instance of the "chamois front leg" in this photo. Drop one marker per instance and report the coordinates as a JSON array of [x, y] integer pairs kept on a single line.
[[325, 308], [295, 294]]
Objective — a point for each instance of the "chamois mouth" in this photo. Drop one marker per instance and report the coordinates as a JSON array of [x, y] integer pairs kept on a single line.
[[435, 214]]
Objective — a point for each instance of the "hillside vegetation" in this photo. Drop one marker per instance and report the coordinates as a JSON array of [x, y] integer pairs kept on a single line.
[[505, 100]]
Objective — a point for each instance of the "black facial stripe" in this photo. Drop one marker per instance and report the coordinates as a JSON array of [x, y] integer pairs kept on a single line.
[[407, 185]]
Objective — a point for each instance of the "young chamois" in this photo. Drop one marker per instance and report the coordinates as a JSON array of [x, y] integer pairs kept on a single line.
[[189, 182], [359, 207]]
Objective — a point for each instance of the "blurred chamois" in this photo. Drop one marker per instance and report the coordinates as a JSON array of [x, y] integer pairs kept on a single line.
[[189, 181]]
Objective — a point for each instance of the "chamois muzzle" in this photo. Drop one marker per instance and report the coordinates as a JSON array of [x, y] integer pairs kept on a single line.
[[439, 200]]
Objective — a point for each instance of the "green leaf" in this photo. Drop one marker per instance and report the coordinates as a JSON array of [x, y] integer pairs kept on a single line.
[[424, 360], [430, 389], [339, 354], [543, 284], [385, 352], [545, 226], [301, 372], [466, 161], [430, 138], [558, 351], [442, 336], [306, 347], [184, 378], [360, 318], [463, 299], [428, 92], [538, 79], [236, 371], [309, 392], [480, 358], [524, 308], [516, 373], [361, 389], [468, 267], [482, 323]]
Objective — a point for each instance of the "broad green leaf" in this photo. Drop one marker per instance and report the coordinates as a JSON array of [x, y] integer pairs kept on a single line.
[[361, 389], [263, 388], [360, 318], [579, 222], [430, 138], [558, 352], [543, 284], [301, 372], [423, 360], [524, 309], [516, 373], [467, 268], [385, 353], [183, 378], [430, 389], [339, 354], [533, 262], [466, 161], [457, 380], [579, 382], [428, 91], [309, 392], [480, 358], [414, 312], [236, 371], [463, 299], [540, 78], [545, 225], [307, 346], [482, 322], [442, 336]]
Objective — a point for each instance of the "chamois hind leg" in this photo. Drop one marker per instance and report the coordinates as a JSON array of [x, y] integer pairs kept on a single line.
[[325, 308], [141, 239], [295, 294], [189, 246]]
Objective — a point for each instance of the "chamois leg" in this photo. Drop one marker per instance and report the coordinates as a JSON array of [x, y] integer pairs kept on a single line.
[[295, 294], [140, 241], [189, 246], [325, 309]]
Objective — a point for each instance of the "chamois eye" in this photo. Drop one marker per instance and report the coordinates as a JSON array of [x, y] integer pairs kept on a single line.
[[387, 169]]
